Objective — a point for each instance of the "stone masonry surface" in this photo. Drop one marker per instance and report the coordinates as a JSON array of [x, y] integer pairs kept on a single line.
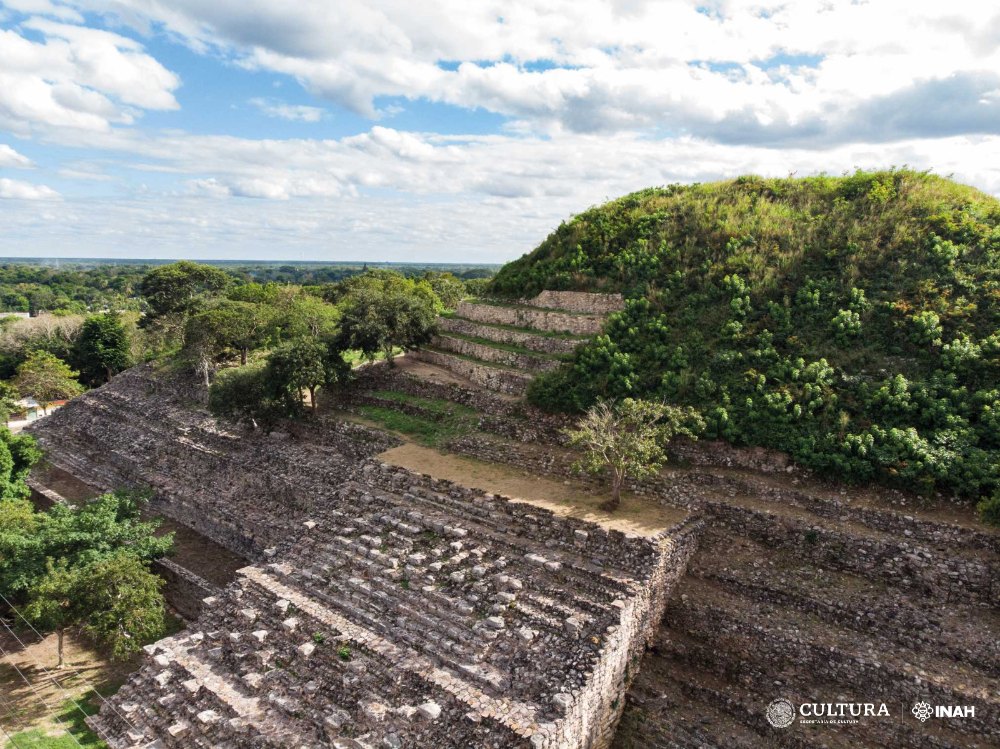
[[388, 609], [385, 608]]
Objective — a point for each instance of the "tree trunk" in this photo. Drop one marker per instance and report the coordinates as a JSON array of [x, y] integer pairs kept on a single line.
[[388, 357], [110, 374], [312, 399], [243, 357], [618, 478], [59, 647]]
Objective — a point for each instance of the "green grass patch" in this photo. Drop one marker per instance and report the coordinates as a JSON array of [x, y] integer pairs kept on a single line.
[[436, 406], [425, 431], [70, 733]]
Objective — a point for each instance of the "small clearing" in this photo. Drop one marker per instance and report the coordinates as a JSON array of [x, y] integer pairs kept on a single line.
[[565, 498]]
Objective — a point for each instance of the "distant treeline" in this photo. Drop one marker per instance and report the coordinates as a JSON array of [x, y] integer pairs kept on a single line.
[[82, 286]]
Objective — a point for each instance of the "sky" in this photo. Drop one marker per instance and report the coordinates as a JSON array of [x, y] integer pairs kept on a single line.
[[455, 131]]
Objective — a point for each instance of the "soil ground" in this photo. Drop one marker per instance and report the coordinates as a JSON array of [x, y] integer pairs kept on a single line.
[[39, 703], [565, 498]]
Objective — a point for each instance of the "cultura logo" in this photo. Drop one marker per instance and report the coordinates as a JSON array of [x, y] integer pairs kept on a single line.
[[780, 713], [922, 711]]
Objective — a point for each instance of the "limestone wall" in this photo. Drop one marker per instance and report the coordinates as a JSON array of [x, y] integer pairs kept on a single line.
[[502, 356], [527, 317], [508, 381], [183, 589], [543, 344], [578, 301]]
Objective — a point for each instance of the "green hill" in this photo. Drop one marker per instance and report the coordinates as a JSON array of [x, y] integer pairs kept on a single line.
[[853, 322]]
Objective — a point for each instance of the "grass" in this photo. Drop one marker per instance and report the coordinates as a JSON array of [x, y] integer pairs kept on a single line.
[[436, 406], [424, 431], [71, 732], [354, 357]]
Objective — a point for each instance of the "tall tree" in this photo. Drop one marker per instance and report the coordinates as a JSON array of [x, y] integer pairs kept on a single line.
[[46, 378], [227, 324], [85, 567], [629, 438], [296, 366], [385, 311], [179, 288], [103, 348]]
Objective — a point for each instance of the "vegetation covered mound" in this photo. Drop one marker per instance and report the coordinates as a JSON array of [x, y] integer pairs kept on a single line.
[[853, 322]]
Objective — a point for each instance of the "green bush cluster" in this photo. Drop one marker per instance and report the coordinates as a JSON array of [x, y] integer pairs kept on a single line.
[[853, 322]]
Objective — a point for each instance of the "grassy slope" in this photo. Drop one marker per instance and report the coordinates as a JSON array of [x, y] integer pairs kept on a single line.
[[862, 278]]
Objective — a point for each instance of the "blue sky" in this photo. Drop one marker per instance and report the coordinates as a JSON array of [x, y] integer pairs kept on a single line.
[[454, 132]]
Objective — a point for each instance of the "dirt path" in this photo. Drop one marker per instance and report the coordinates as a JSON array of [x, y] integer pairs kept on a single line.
[[565, 498]]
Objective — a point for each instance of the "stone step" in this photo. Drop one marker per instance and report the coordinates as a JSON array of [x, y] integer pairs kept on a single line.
[[488, 375], [462, 346], [942, 573], [946, 525], [555, 345], [961, 631]]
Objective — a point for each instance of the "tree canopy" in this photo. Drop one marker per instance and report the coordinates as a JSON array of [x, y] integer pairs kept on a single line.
[[103, 348], [628, 438], [85, 567], [47, 378]]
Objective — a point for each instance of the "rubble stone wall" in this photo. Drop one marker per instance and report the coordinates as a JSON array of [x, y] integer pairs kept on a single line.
[[578, 301], [502, 356], [507, 381], [183, 589], [528, 317], [544, 344]]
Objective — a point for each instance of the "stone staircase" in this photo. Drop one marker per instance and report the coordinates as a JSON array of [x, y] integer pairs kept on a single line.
[[411, 612], [503, 346], [801, 590]]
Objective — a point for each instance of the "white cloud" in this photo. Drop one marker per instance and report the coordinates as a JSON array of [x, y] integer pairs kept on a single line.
[[10, 188], [600, 65], [292, 112], [11, 158], [76, 77]]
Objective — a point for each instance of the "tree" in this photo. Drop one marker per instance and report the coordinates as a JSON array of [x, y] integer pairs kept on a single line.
[[178, 288], [103, 348], [9, 398], [46, 378], [387, 311], [449, 288], [244, 394], [115, 600], [628, 438], [18, 453], [85, 567], [174, 292], [296, 366], [240, 326]]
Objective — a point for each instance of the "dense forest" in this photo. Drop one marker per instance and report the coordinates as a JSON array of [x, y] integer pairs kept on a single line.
[[81, 286], [853, 322]]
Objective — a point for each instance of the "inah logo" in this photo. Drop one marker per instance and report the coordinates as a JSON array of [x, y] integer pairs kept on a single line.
[[922, 711], [780, 713]]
